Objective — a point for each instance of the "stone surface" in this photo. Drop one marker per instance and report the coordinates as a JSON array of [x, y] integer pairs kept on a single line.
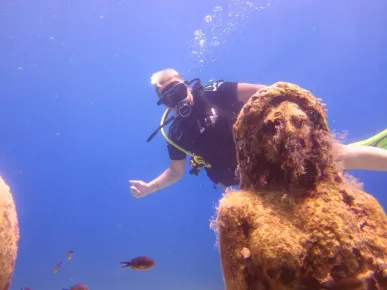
[[9, 235]]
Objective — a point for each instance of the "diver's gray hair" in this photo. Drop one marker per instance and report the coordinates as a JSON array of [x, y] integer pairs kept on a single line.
[[160, 77]]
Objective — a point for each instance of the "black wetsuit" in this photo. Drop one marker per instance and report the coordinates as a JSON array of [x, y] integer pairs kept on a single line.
[[214, 143]]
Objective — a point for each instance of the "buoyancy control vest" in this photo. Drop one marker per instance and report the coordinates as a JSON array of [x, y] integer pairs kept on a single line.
[[208, 137]]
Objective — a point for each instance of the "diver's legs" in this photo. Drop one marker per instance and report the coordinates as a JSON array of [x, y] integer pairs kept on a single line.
[[363, 157]]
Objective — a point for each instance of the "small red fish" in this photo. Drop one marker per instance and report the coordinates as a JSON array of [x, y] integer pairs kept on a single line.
[[79, 287], [56, 268], [70, 254], [139, 263]]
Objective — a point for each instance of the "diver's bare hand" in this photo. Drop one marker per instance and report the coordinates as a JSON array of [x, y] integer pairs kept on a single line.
[[139, 188]]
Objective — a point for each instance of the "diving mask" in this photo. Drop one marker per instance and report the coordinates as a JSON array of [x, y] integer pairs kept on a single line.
[[173, 94]]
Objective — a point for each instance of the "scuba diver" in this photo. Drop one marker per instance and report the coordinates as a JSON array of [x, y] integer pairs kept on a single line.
[[201, 127]]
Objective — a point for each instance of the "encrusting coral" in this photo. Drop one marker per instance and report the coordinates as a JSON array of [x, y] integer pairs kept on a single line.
[[296, 223], [9, 235]]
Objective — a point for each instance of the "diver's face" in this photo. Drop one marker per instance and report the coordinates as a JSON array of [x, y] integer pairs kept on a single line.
[[284, 127], [173, 92]]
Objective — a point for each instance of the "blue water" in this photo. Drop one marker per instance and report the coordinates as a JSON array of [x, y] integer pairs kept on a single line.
[[77, 107]]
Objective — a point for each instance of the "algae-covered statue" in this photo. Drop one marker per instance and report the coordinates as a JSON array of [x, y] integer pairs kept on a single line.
[[296, 223], [9, 235]]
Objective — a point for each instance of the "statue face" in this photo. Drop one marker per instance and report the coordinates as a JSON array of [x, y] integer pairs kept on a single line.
[[285, 128], [282, 140]]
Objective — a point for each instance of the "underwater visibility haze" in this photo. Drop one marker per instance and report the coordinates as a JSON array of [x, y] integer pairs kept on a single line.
[[77, 107]]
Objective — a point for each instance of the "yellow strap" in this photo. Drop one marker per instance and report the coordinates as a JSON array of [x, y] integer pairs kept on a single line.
[[197, 158]]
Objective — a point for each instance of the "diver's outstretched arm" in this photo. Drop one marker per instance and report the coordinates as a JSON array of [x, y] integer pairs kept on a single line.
[[167, 178], [245, 91], [173, 174], [363, 157]]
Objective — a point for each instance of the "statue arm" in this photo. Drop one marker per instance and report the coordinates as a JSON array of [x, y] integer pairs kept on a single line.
[[233, 243]]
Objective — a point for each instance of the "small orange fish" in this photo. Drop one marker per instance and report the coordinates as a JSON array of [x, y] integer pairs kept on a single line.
[[56, 268], [139, 263], [78, 287], [70, 254]]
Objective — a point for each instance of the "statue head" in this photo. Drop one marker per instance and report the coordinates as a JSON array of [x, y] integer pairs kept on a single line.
[[283, 140]]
